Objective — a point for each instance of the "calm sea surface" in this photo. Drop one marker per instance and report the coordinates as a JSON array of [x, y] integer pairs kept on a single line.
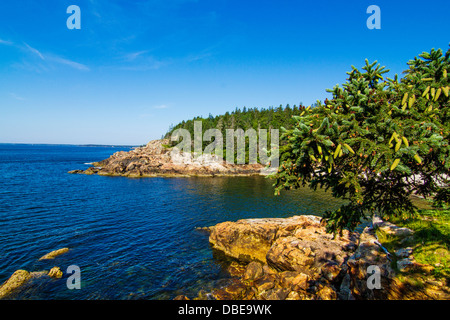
[[131, 238]]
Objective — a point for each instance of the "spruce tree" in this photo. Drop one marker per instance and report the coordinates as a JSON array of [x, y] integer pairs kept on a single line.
[[375, 143]]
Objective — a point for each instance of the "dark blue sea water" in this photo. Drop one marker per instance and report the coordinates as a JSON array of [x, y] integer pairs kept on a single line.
[[131, 238]]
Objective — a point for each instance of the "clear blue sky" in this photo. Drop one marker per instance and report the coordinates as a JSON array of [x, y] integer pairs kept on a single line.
[[135, 67]]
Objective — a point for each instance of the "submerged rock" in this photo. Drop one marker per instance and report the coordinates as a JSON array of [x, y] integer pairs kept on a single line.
[[55, 272], [53, 254], [17, 279]]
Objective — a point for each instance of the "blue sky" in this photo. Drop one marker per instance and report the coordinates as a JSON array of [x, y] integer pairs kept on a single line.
[[135, 67]]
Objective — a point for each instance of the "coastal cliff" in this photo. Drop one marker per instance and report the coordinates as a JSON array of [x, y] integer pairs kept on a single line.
[[156, 159]]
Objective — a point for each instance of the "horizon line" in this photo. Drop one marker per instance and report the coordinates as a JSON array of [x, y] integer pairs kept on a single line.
[[74, 144]]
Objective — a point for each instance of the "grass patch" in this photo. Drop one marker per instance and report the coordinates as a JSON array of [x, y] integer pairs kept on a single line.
[[431, 240]]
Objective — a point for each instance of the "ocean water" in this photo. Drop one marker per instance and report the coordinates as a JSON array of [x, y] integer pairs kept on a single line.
[[131, 238]]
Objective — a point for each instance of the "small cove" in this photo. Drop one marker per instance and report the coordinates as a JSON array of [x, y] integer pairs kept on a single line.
[[131, 238]]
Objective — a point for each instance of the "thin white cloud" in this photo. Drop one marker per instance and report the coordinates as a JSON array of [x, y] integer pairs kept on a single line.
[[69, 63], [6, 42], [132, 56], [35, 51], [141, 61], [50, 60]]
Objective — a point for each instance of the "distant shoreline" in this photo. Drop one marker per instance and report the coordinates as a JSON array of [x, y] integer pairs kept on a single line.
[[70, 145]]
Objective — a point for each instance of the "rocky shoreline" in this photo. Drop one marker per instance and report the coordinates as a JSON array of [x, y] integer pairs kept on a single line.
[[156, 160], [295, 259]]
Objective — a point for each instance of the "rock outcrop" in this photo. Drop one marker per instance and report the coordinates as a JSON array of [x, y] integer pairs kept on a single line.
[[294, 258], [156, 159], [290, 258]]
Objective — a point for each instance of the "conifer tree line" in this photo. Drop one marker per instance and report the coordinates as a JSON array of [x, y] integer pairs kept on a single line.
[[247, 118]]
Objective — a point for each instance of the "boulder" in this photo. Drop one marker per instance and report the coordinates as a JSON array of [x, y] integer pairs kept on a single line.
[[285, 255], [331, 270], [286, 278], [299, 243], [55, 272], [235, 290], [17, 279], [275, 294], [300, 282], [404, 252], [405, 264], [253, 271], [236, 269], [390, 228], [326, 292], [245, 240], [54, 254], [265, 283]]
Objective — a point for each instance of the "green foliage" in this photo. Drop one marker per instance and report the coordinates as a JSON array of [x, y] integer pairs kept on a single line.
[[431, 241], [248, 118], [375, 143], [270, 118]]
